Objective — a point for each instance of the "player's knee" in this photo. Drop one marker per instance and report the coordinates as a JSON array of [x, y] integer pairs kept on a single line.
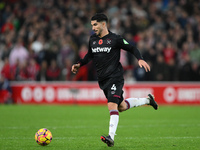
[[121, 109], [112, 106]]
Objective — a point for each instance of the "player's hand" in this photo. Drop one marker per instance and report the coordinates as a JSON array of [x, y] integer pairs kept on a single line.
[[143, 63], [75, 68]]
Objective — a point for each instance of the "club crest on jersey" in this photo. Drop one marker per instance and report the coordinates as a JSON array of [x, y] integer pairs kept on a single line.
[[94, 42], [100, 41], [108, 41], [112, 92]]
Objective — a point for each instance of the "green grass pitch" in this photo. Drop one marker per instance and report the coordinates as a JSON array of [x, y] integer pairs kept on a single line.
[[80, 127]]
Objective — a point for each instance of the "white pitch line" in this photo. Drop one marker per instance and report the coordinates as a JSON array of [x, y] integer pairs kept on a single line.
[[120, 126]]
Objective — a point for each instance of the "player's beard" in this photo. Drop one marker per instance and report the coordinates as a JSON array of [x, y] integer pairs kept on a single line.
[[100, 31]]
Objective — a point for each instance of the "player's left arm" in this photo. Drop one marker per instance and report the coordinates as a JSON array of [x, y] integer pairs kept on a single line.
[[143, 63], [123, 44]]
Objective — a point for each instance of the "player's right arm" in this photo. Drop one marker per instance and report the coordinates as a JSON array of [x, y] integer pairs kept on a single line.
[[88, 57], [75, 68]]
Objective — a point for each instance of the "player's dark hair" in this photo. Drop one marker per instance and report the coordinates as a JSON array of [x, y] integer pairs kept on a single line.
[[100, 17]]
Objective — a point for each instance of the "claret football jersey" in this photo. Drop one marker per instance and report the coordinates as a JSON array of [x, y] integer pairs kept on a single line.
[[105, 53]]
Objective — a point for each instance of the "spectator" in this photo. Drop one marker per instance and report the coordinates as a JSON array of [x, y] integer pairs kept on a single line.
[[38, 44], [160, 69], [56, 30], [185, 72], [19, 52], [172, 70], [83, 73], [32, 69], [66, 74], [195, 74], [195, 54], [7, 71], [5, 91], [67, 50], [42, 74], [53, 71], [8, 26], [169, 52], [20, 70]]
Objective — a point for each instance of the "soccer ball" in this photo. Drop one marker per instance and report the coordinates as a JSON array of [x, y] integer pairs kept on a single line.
[[43, 137]]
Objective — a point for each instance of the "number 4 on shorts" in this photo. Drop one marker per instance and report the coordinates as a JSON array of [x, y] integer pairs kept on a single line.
[[113, 87]]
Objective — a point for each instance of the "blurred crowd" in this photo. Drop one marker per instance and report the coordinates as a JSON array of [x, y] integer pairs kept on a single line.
[[41, 39]]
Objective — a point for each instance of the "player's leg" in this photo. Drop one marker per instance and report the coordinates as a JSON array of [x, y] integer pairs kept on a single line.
[[123, 106], [114, 119], [113, 93], [115, 97], [113, 123], [135, 102]]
